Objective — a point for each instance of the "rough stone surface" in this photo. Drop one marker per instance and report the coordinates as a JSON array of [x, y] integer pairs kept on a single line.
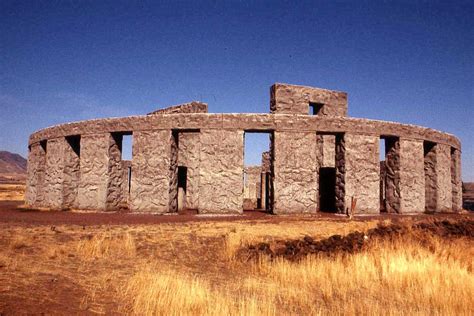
[[412, 176], [116, 180], [456, 181], [340, 174], [173, 173], [151, 171], [362, 173], [286, 99], [93, 176], [189, 151], [71, 172], [295, 171], [54, 176], [444, 200], [92, 188], [221, 171], [252, 187], [35, 183], [327, 151], [431, 182], [392, 175], [192, 107]]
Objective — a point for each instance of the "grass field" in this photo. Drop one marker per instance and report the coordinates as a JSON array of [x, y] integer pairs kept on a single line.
[[194, 268], [12, 192], [191, 268]]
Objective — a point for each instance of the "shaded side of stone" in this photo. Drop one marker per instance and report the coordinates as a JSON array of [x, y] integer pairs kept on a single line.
[[443, 177], [36, 170], [340, 174], [188, 156], [392, 175], [431, 182], [456, 182], [412, 177], [220, 172], [173, 172], [72, 172], [295, 171], [362, 173], [116, 181], [151, 171]]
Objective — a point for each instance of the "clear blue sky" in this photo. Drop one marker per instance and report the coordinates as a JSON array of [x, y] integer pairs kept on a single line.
[[61, 61]]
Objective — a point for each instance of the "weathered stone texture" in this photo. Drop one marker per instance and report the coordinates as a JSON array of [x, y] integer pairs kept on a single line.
[[412, 177], [456, 181], [116, 180], [362, 172], [192, 107], [431, 192], [291, 99], [340, 174], [252, 187], [36, 170], [151, 171], [72, 172], [188, 156], [443, 178], [92, 190], [173, 173], [54, 176], [221, 178], [295, 173], [392, 175], [327, 151]]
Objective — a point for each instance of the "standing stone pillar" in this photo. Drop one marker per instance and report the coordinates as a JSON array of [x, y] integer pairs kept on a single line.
[[54, 173], [412, 177], [340, 174], [362, 173], [100, 186], [221, 171], [116, 183], [263, 190], [71, 171], [295, 182], [391, 175], [36, 168], [456, 181], [151, 170], [326, 150], [444, 202], [188, 156]]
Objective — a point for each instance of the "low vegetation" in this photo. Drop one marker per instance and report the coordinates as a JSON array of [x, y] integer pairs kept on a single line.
[[198, 268], [12, 192]]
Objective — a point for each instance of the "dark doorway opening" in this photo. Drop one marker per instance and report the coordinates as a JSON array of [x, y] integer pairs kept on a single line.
[[182, 183], [327, 189]]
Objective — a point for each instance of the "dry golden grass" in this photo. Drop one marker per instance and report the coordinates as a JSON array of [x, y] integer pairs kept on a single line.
[[12, 192], [191, 269]]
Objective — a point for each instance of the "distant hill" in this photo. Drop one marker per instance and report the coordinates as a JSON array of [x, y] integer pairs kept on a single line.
[[468, 195], [12, 167], [12, 163]]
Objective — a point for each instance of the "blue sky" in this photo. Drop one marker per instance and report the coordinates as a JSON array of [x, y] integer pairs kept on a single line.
[[61, 61]]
